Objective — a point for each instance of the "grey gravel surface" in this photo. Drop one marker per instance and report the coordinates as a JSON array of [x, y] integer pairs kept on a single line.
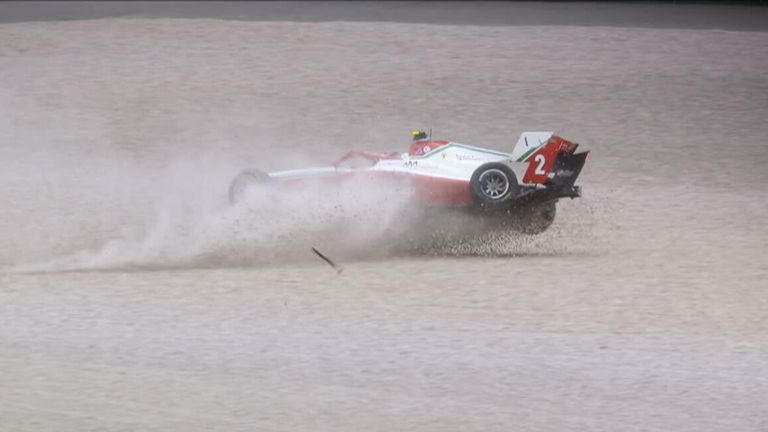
[[133, 298]]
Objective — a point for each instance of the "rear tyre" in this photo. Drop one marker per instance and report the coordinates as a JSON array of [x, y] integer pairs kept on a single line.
[[245, 180], [493, 185], [535, 218]]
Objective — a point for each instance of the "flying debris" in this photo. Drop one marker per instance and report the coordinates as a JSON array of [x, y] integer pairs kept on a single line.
[[330, 262]]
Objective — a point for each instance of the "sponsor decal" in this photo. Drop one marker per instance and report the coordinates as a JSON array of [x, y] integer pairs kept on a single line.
[[470, 157], [462, 146]]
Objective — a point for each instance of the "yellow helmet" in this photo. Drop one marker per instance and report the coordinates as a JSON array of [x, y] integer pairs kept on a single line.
[[418, 134]]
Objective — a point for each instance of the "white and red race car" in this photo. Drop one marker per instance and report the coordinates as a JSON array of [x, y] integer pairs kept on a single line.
[[521, 186]]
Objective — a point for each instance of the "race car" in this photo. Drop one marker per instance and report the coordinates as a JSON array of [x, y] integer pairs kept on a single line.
[[520, 187]]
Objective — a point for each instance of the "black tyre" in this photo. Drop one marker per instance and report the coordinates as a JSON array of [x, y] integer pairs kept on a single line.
[[494, 185], [535, 218], [245, 180]]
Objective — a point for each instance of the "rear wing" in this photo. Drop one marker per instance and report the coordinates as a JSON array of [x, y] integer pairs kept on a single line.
[[528, 143], [548, 158]]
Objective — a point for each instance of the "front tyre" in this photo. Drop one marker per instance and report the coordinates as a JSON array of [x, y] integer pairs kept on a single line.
[[535, 218], [243, 181]]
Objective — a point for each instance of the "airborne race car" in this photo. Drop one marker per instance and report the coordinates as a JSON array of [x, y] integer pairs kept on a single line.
[[519, 188]]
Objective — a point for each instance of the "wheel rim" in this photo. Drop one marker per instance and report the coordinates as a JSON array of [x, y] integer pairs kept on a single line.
[[494, 183]]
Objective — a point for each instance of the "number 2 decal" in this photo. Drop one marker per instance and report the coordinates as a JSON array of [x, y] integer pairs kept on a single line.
[[541, 161]]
